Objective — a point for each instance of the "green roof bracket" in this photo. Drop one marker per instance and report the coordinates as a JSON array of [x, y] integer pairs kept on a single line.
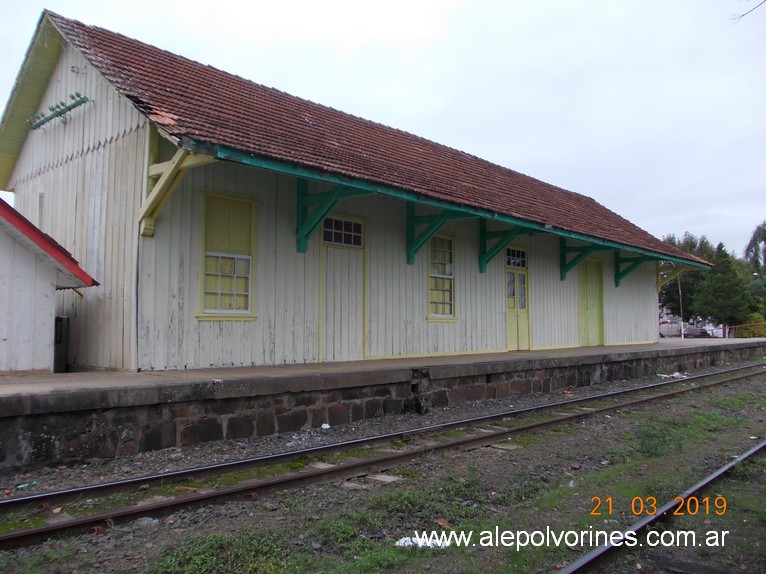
[[633, 264], [580, 252], [313, 174], [504, 237], [433, 222], [323, 203]]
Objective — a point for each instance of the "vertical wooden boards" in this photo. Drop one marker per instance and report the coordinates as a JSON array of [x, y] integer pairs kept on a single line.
[[631, 310], [27, 297], [553, 311], [343, 304], [590, 277], [81, 181]]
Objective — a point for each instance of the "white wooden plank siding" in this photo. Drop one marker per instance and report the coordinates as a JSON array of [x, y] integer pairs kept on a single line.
[[552, 302], [27, 287], [289, 293], [81, 181], [630, 310], [343, 304]]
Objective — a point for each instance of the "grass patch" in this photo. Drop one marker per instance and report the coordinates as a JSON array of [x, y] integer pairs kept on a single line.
[[526, 485], [45, 558], [338, 530], [338, 457], [660, 436], [370, 556], [90, 506], [224, 554], [563, 430], [19, 520], [737, 403], [526, 440], [452, 433]]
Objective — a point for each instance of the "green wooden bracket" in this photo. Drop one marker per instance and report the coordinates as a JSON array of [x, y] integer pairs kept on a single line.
[[433, 222], [504, 237], [580, 251], [323, 203], [633, 264]]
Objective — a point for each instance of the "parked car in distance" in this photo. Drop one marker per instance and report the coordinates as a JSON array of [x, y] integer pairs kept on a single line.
[[695, 333]]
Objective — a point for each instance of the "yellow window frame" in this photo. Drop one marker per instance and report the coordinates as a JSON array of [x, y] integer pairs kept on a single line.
[[227, 257], [441, 279]]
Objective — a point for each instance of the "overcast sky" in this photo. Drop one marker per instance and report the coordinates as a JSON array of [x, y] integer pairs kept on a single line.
[[655, 108]]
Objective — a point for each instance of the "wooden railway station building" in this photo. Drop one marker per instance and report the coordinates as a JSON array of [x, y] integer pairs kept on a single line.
[[231, 224]]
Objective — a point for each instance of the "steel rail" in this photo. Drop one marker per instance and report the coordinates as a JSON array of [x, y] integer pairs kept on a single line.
[[595, 554], [347, 445], [348, 469]]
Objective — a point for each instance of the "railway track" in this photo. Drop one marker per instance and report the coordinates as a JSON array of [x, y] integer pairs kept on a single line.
[[163, 493], [663, 512]]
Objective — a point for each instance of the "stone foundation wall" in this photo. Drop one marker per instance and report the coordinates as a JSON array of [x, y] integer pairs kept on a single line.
[[46, 439]]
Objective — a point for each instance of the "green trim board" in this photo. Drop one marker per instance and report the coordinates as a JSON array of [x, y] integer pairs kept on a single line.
[[433, 222], [316, 174], [504, 238], [633, 264], [323, 202], [580, 252]]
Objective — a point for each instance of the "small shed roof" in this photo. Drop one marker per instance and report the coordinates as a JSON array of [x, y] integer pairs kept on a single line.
[[69, 273], [206, 109]]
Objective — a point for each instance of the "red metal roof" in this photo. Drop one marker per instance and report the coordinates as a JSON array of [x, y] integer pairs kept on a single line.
[[189, 100], [70, 274]]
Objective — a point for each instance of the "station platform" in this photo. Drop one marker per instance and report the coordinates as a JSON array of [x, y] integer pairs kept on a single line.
[[47, 418]]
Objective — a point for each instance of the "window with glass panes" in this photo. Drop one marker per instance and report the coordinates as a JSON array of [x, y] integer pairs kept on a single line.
[[516, 258], [441, 279], [228, 256], [342, 232], [516, 276]]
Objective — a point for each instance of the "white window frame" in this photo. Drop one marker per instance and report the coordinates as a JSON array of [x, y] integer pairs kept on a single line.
[[344, 233], [235, 276]]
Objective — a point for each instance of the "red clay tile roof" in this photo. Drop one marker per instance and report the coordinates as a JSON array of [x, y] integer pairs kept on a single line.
[[190, 100], [70, 274]]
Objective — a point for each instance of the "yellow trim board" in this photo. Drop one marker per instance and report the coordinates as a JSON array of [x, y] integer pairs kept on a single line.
[[323, 246], [437, 319], [452, 236], [201, 315], [443, 354], [232, 317]]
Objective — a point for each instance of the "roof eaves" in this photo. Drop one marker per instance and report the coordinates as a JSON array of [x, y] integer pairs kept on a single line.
[[31, 82], [48, 247], [229, 154]]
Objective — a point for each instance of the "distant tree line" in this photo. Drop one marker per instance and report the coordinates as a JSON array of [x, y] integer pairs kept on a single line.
[[733, 292]]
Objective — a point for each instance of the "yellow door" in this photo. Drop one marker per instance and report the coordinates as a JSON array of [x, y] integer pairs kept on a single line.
[[591, 303], [516, 301]]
